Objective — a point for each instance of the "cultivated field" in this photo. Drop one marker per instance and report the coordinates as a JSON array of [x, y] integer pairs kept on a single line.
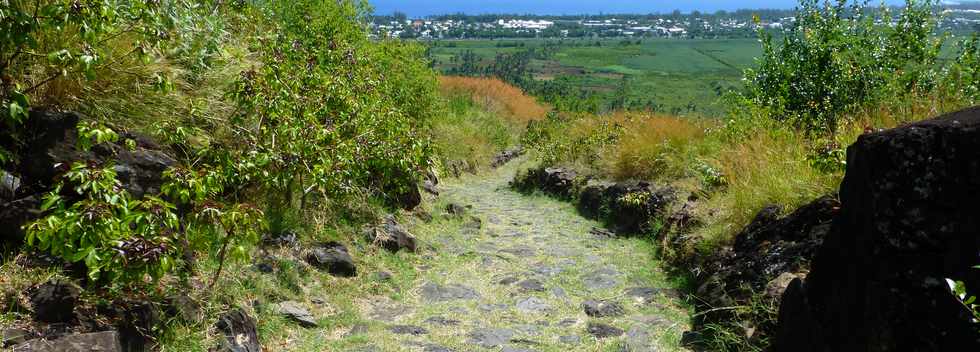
[[681, 76]]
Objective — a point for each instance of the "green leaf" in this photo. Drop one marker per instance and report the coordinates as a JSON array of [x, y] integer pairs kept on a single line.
[[49, 201]]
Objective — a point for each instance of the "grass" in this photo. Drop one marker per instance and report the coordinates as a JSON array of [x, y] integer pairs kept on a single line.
[[496, 97], [484, 116], [735, 169], [648, 148]]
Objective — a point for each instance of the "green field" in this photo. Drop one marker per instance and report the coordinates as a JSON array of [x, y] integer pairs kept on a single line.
[[685, 76]]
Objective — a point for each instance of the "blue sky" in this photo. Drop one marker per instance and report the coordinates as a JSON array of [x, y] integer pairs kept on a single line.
[[420, 8]]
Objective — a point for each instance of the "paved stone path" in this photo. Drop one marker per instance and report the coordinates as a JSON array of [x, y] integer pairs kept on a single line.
[[525, 273]]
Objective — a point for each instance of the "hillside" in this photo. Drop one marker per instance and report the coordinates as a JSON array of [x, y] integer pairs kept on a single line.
[[269, 176]]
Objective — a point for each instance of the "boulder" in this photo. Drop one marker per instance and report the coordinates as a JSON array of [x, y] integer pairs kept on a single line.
[[140, 171], [138, 324], [287, 238], [54, 301], [602, 331], [455, 210], [430, 187], [592, 199], [14, 215], [50, 147], [296, 312], [559, 182], [9, 184], [106, 341], [506, 156], [768, 247], [391, 236], [240, 333], [908, 221], [184, 307], [334, 258], [633, 204], [628, 206]]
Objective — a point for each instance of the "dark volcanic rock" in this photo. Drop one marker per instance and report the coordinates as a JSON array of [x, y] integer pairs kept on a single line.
[[9, 184], [433, 292], [106, 341], [297, 313], [401, 188], [54, 301], [184, 308], [51, 146], [51, 140], [602, 234], [602, 331], [455, 210], [625, 206], [14, 215], [560, 182], [490, 338], [602, 309], [506, 156], [383, 276], [391, 236], [908, 220], [284, 239], [592, 198], [137, 324], [430, 187], [408, 330], [531, 285], [442, 321], [141, 170], [239, 331], [633, 215], [768, 247], [48, 148], [333, 258]]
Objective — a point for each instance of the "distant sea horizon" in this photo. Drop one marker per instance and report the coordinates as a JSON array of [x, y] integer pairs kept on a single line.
[[429, 8]]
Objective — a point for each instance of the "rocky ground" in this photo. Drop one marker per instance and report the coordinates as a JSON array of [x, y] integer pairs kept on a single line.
[[523, 273]]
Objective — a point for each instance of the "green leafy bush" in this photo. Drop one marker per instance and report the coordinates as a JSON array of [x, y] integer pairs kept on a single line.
[[297, 101], [841, 56], [330, 110]]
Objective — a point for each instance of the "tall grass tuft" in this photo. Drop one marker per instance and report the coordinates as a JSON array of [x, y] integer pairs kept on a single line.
[[652, 147]]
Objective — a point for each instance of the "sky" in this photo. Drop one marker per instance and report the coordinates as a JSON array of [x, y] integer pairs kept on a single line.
[[422, 8]]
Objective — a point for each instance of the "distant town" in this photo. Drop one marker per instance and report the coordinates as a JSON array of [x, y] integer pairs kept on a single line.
[[722, 24]]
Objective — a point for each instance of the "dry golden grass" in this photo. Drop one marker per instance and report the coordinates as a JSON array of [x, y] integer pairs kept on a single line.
[[770, 167], [653, 146], [497, 97]]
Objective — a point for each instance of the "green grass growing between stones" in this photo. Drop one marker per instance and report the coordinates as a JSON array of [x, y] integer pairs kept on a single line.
[[453, 252]]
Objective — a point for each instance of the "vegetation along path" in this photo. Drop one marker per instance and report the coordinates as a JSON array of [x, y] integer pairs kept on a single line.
[[525, 273]]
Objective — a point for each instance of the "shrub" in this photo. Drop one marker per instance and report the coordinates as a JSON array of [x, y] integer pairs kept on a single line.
[[841, 56], [330, 111], [300, 103]]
